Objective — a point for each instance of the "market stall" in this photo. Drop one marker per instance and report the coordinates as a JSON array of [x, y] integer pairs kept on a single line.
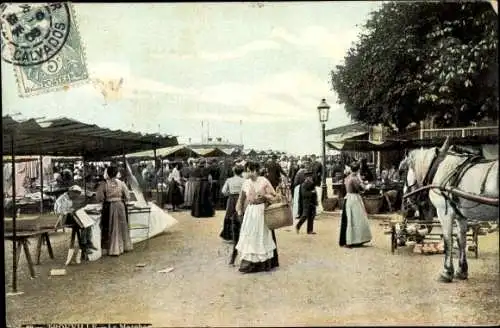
[[62, 137]]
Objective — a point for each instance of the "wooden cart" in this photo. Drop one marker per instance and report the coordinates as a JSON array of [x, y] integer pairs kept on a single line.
[[475, 229]]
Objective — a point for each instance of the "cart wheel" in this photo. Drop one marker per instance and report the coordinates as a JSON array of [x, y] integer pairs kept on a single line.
[[394, 240]]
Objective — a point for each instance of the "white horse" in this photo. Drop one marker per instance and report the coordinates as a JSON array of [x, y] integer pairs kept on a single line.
[[476, 190]]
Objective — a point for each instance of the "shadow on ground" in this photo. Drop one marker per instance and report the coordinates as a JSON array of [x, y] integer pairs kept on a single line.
[[318, 283]]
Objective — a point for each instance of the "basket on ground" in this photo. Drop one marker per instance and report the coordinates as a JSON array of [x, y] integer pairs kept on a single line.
[[329, 204], [373, 203]]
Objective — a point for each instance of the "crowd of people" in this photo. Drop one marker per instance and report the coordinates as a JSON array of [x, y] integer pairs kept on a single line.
[[250, 189], [196, 184], [239, 186]]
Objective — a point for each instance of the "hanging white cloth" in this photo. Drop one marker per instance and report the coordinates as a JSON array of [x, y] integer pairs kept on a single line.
[[21, 172], [32, 169], [48, 171], [7, 178], [134, 185]]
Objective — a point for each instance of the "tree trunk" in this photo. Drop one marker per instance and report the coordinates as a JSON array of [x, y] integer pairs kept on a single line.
[[456, 119]]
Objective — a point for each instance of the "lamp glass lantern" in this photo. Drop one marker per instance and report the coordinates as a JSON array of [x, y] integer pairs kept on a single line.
[[323, 111]]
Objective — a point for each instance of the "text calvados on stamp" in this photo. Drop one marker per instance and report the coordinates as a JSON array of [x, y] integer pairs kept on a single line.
[[42, 43]]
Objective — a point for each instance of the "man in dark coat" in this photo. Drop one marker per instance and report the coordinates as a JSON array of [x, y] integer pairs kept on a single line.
[[274, 171], [309, 201], [294, 168], [365, 172], [317, 169]]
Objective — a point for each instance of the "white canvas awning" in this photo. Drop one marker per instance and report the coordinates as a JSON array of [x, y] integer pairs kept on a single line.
[[180, 151], [337, 141], [210, 152]]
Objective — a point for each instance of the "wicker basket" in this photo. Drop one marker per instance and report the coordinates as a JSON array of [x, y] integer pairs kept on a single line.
[[373, 203], [278, 216]]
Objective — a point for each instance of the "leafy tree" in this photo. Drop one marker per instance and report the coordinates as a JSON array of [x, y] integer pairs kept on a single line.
[[420, 59]]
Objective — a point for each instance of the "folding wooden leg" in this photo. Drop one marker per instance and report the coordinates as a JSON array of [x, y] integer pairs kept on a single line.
[[39, 249], [28, 258], [18, 252], [49, 246]]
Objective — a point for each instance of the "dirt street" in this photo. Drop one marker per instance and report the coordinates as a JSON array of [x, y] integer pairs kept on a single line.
[[317, 283]]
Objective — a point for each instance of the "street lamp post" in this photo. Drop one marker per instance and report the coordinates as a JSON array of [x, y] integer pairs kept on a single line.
[[323, 111]]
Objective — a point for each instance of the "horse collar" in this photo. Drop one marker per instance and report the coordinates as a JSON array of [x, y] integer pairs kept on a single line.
[[436, 161]]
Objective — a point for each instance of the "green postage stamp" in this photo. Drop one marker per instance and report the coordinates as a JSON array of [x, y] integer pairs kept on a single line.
[[42, 43]]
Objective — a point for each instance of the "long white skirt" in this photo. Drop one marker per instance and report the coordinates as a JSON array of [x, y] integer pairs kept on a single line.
[[295, 205], [256, 242], [358, 225], [319, 208]]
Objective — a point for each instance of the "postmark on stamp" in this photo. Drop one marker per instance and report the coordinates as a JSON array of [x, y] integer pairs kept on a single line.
[[43, 45]]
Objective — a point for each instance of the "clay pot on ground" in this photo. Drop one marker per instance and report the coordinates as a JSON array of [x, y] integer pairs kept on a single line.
[[330, 204]]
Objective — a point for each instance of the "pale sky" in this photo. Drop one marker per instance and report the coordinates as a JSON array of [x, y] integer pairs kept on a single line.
[[268, 66]]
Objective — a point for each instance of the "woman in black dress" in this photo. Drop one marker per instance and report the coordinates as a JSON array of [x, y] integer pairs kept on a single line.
[[203, 206], [232, 188]]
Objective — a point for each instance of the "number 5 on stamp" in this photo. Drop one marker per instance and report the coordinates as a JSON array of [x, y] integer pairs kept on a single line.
[[43, 45]]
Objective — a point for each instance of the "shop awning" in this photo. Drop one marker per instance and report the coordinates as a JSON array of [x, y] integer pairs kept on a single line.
[[364, 145], [250, 152], [167, 152], [210, 152], [394, 144], [229, 151], [67, 137]]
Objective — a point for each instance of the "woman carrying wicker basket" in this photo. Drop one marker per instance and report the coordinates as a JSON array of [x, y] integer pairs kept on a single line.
[[257, 244], [354, 226]]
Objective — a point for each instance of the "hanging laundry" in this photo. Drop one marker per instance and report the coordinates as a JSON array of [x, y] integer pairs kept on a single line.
[[7, 178], [32, 169], [21, 174], [48, 171]]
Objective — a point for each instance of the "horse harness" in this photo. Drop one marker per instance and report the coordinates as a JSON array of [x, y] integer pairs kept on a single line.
[[453, 179], [429, 176]]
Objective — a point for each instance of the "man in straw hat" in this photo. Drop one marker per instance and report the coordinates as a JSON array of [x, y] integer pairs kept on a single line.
[[64, 208]]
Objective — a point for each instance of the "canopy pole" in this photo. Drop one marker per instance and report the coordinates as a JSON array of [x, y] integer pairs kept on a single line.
[[41, 185], [125, 171], [14, 217], [156, 175], [84, 178], [161, 174]]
